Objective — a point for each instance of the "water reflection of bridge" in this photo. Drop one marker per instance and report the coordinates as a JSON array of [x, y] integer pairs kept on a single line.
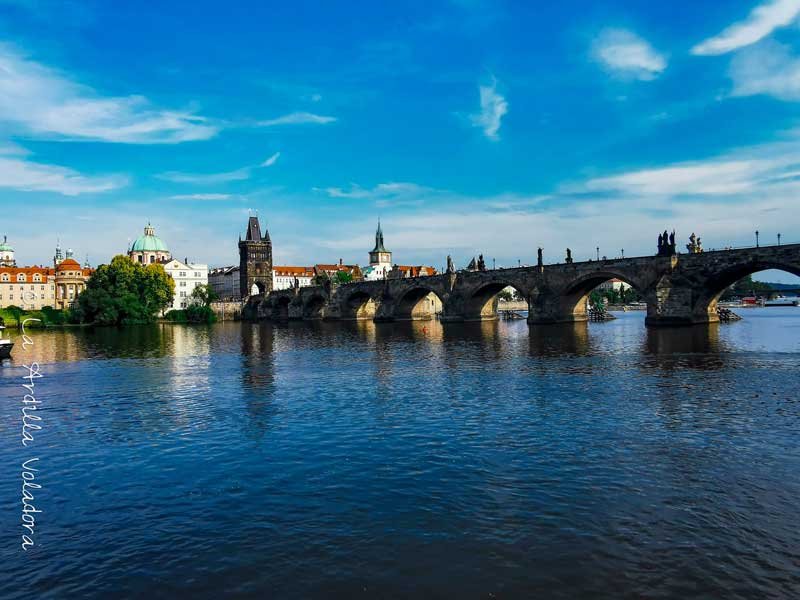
[[679, 289]]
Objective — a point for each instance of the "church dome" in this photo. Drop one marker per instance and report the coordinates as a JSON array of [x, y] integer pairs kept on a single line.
[[5, 246], [149, 242]]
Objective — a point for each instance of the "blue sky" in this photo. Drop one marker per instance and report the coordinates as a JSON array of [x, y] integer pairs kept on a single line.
[[467, 126]]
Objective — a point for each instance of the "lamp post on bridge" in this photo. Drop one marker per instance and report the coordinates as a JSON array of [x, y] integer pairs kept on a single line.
[[598, 252], [623, 253], [494, 265], [779, 239], [756, 238]]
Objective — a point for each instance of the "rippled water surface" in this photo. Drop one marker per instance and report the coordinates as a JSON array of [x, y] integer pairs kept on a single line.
[[410, 459]]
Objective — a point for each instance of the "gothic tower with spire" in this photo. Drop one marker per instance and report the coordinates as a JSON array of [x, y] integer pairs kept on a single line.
[[379, 255], [255, 260]]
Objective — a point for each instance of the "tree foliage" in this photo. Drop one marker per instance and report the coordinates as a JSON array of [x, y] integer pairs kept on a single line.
[[203, 295], [124, 292]]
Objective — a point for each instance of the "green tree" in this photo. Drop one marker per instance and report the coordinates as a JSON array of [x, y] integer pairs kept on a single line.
[[124, 292], [203, 295], [343, 277]]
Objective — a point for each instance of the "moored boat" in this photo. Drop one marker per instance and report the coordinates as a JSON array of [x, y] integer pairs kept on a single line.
[[5, 345], [783, 301]]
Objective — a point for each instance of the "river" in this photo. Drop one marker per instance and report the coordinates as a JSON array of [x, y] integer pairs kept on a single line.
[[339, 460]]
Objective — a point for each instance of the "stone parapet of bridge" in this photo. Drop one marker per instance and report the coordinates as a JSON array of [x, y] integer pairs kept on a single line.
[[682, 289]]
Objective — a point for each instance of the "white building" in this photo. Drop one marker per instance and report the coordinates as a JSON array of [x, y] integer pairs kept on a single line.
[[225, 282], [380, 259], [283, 277], [187, 276], [613, 284]]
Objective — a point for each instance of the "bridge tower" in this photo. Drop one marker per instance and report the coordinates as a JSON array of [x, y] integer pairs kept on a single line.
[[255, 260]]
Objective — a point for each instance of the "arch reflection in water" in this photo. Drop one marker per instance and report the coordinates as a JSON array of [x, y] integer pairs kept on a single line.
[[695, 347], [560, 339]]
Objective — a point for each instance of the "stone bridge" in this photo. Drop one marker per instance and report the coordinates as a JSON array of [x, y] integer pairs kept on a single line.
[[681, 289]]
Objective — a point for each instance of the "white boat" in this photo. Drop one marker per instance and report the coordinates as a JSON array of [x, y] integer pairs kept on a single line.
[[5, 345], [783, 301]]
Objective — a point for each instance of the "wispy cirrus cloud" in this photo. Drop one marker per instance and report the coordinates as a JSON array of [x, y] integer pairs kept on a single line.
[[271, 160], [205, 178], [212, 178], [768, 68], [38, 100], [493, 108], [24, 175], [298, 118], [382, 192], [200, 197], [761, 22], [625, 54]]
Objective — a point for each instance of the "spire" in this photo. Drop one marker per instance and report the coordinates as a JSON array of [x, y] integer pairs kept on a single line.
[[379, 239], [253, 230]]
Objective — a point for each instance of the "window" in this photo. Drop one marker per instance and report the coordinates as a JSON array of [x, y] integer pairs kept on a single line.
[[183, 284], [141, 258], [21, 277], [152, 258]]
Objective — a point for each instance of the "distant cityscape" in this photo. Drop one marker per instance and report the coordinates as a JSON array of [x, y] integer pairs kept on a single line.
[[59, 286]]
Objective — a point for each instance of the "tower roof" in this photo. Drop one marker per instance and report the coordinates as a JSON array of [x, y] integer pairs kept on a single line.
[[254, 231], [379, 240], [5, 246]]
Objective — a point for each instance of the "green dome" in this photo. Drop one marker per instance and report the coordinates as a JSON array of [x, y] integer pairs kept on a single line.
[[149, 242], [4, 247]]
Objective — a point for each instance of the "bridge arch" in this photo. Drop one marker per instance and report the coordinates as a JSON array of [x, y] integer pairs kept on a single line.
[[574, 298], [419, 303], [705, 304], [280, 308], [312, 307], [358, 305], [481, 303]]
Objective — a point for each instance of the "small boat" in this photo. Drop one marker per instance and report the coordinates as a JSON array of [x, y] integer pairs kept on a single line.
[[783, 301], [5, 345]]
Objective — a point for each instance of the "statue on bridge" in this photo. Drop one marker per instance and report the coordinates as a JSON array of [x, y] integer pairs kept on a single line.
[[473, 265], [481, 263], [695, 245], [450, 267], [569, 256], [539, 259], [666, 243]]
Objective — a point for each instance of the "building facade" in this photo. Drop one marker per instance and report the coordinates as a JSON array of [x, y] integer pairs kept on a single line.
[[70, 281], [380, 259], [404, 271], [332, 271], [225, 282], [37, 287], [255, 261], [284, 278], [148, 248], [187, 277]]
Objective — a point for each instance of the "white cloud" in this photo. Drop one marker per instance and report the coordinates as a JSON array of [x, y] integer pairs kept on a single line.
[[623, 53], [205, 178], [271, 160], [12, 149], [493, 108], [298, 118], [761, 22], [722, 177], [26, 176], [381, 192], [200, 197], [768, 68], [40, 101]]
